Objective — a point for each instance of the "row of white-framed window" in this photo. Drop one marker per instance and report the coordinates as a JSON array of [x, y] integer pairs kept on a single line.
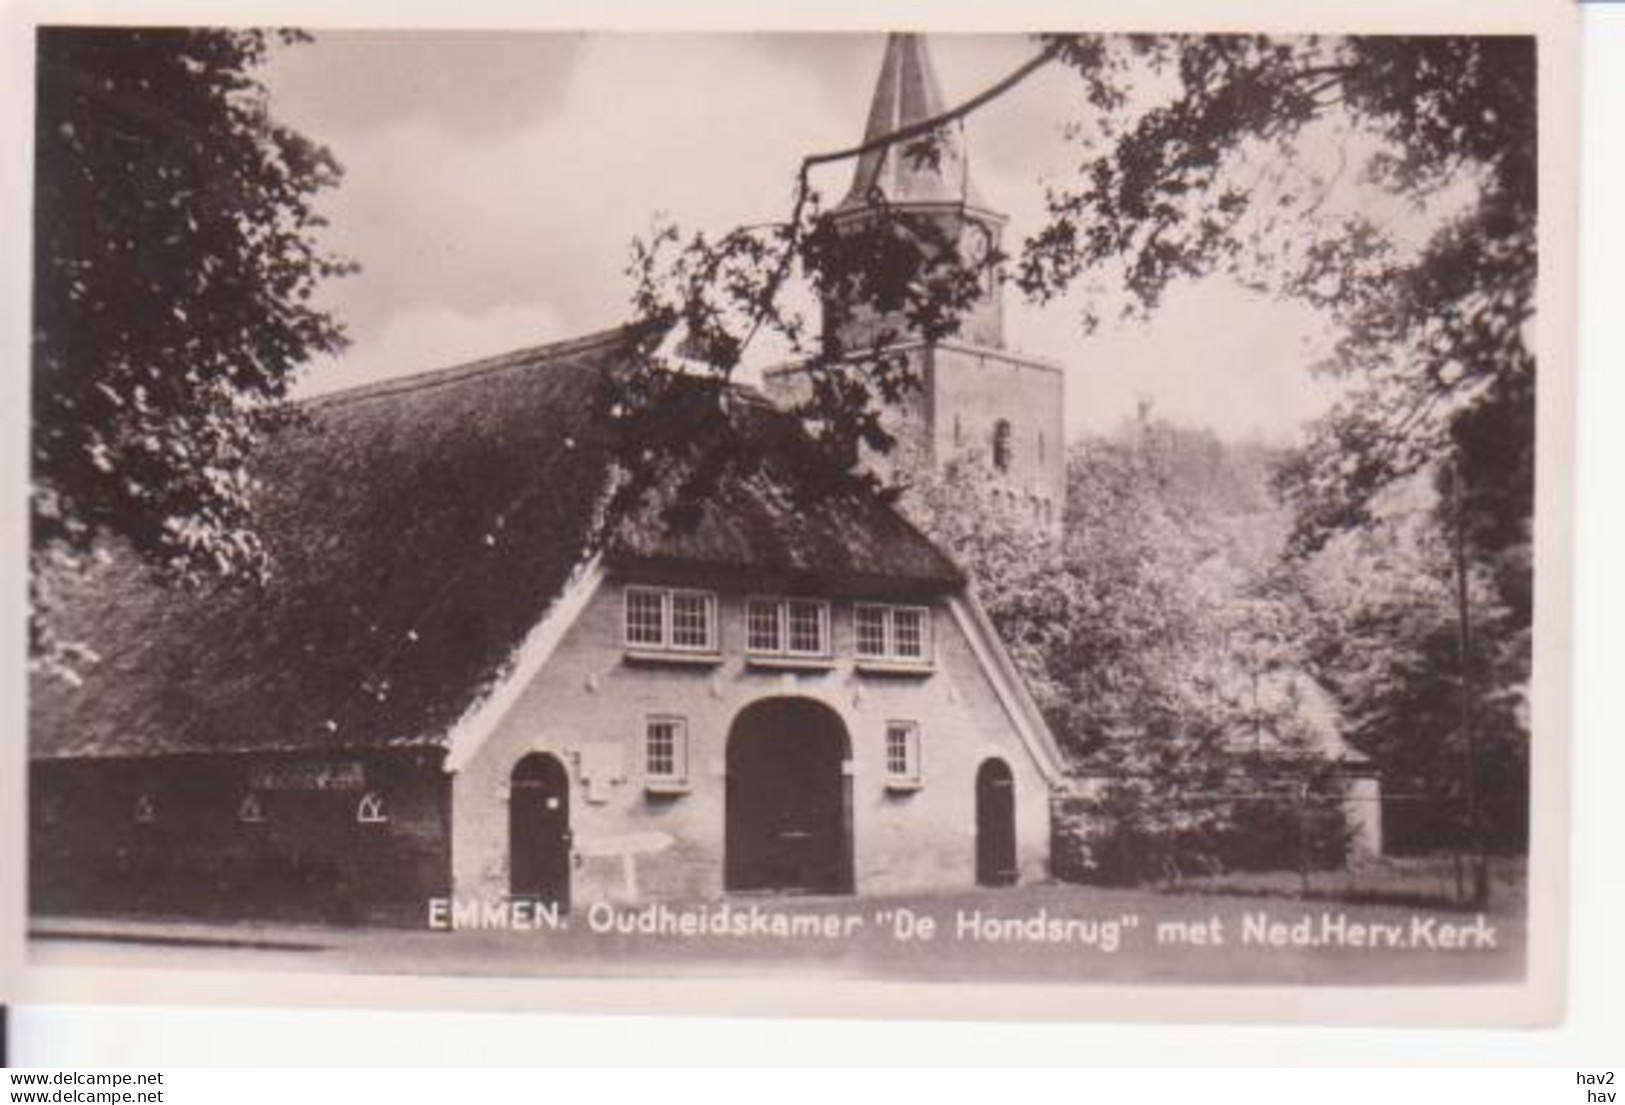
[[369, 809], [666, 752], [680, 620]]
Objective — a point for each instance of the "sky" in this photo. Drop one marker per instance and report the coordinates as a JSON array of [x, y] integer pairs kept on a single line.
[[494, 182]]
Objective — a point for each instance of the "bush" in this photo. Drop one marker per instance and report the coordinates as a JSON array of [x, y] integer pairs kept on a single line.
[[1125, 836]]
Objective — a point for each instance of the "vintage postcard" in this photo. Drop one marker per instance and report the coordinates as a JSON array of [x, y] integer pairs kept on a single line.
[[1060, 518]]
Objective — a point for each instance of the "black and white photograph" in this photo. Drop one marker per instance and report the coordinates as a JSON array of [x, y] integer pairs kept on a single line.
[[1053, 509]]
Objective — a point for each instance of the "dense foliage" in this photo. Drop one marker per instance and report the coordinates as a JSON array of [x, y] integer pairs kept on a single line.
[[1210, 685], [1167, 646], [1384, 625], [1390, 183], [175, 256]]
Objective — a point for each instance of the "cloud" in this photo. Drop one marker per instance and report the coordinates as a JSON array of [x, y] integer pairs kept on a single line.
[[705, 128], [1214, 355], [433, 337], [477, 83], [495, 181]]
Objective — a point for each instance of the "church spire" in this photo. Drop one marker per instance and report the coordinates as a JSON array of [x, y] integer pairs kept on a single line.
[[974, 398], [908, 93]]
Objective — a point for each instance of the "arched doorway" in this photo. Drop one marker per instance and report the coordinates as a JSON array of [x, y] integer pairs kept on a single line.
[[789, 807], [539, 830], [995, 824]]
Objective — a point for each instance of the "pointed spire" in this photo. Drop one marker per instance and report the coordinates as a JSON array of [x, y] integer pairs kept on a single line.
[[907, 93]]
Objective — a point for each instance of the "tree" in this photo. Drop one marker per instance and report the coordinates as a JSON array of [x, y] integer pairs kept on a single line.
[[1019, 573], [1160, 637], [1433, 355], [1388, 181], [1383, 630], [175, 258], [1217, 178], [1201, 162]]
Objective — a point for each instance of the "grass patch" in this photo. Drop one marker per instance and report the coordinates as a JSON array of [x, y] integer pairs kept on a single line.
[[1423, 882]]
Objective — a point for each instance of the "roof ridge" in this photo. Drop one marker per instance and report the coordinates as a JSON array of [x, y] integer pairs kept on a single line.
[[450, 374]]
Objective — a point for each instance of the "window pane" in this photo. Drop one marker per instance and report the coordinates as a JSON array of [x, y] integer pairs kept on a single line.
[[807, 627], [662, 749], [691, 621], [666, 749], [871, 631], [762, 626], [910, 631], [902, 751], [896, 751], [643, 618]]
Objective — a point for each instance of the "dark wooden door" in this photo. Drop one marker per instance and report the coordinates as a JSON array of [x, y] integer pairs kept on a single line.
[[539, 830], [995, 824], [787, 816]]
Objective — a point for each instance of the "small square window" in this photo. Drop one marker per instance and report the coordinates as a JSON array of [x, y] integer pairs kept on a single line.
[[661, 619], [787, 627], [665, 756], [895, 633], [902, 753]]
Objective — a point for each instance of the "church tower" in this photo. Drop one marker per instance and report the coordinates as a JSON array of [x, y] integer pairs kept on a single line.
[[976, 397]]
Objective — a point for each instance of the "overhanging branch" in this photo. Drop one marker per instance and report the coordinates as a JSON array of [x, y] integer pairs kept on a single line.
[[926, 126]]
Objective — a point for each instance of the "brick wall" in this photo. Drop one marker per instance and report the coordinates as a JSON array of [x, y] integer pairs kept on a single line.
[[973, 389], [168, 835], [965, 391]]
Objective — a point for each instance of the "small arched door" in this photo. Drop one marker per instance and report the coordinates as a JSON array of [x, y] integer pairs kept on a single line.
[[789, 808], [539, 830], [995, 824]]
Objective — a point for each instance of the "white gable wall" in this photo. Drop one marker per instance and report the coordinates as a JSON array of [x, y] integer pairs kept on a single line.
[[588, 705]]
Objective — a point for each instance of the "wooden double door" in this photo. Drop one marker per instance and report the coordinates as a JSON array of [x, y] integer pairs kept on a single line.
[[789, 809]]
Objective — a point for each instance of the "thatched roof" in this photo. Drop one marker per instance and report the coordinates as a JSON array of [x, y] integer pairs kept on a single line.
[[418, 530]]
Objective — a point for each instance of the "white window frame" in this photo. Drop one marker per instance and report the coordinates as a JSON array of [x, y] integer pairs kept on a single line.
[[858, 612], [627, 599], [911, 776], [889, 652], [677, 778], [781, 607], [776, 607], [668, 639]]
